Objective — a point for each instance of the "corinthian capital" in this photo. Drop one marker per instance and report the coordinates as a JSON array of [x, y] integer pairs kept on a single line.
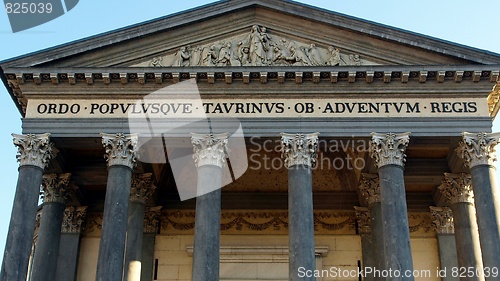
[[299, 149], [210, 149], [142, 188], [363, 220], [73, 219], [457, 188], [369, 188], [55, 188], [121, 149], [152, 220], [34, 150], [389, 149], [442, 218], [478, 149]]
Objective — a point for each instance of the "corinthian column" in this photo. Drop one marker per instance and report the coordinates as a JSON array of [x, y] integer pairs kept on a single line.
[[370, 192], [151, 228], [141, 191], [34, 153], [56, 193], [121, 153], [300, 153], [70, 243], [388, 151], [210, 153], [364, 230], [442, 218], [478, 151], [457, 190]]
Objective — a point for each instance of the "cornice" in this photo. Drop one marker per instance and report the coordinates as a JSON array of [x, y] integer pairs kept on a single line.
[[211, 75]]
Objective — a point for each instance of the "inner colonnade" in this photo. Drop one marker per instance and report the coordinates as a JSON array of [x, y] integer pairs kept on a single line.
[[129, 227]]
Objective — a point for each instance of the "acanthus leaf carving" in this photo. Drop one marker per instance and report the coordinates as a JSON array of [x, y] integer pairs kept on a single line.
[[73, 219], [299, 149], [478, 149], [442, 218], [389, 149], [34, 150]]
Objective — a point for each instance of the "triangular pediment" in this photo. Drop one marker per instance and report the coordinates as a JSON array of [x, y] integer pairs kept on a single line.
[[256, 33]]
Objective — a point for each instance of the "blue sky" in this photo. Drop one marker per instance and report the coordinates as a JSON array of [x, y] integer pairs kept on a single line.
[[472, 23]]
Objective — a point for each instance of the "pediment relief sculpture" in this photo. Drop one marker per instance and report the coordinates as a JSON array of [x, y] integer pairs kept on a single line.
[[256, 48]]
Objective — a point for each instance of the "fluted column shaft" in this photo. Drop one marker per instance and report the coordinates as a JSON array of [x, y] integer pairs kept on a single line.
[[69, 248], [478, 151], [121, 153], [142, 189], [34, 153], [210, 153], [300, 153], [457, 190], [55, 196], [370, 192], [388, 151]]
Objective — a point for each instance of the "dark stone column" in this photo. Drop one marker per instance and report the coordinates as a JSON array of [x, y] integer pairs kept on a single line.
[[370, 192], [141, 190], [457, 189], [34, 153], [478, 151], [300, 153], [121, 151], [442, 219], [388, 151], [210, 153], [151, 228], [364, 230], [56, 193], [69, 249]]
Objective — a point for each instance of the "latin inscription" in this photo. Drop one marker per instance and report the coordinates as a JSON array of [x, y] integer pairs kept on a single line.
[[255, 109]]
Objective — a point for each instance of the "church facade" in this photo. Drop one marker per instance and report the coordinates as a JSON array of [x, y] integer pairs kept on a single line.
[[255, 140]]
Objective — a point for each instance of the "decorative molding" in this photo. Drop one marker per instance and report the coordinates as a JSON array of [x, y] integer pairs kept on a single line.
[[121, 149], [34, 150], [420, 223], [442, 218], [142, 188], [152, 220], [260, 221], [299, 149], [93, 224], [389, 149], [56, 189], [369, 188], [210, 149], [363, 220], [478, 148], [257, 47], [73, 219], [457, 188], [493, 100]]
